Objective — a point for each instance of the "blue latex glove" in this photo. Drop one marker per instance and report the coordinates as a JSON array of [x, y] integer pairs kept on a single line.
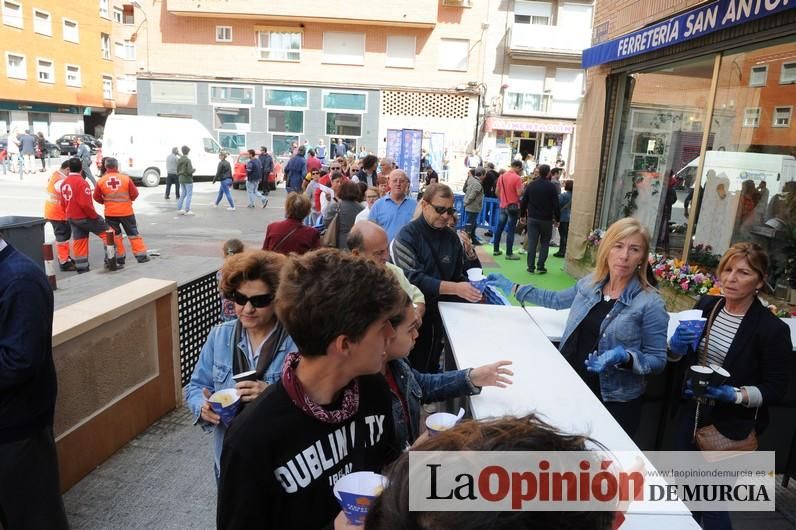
[[496, 279], [683, 337], [688, 391], [724, 393], [598, 362]]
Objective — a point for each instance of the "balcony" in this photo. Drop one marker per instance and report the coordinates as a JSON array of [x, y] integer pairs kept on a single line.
[[417, 13], [559, 43], [539, 105]]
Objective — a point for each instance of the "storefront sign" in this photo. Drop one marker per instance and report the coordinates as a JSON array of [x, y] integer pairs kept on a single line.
[[690, 25], [504, 124], [36, 107]]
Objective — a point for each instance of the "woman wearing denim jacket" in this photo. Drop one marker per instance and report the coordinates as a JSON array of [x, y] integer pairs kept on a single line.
[[254, 341], [410, 388], [616, 331]]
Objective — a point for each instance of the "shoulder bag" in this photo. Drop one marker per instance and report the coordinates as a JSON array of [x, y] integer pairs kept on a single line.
[[513, 208], [329, 237], [708, 438]]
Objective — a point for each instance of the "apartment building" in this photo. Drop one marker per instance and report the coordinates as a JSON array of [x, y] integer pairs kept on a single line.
[[273, 73], [535, 79], [126, 47], [53, 78]]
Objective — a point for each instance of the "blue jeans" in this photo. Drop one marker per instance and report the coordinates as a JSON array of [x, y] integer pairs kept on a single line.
[[186, 193], [224, 191], [538, 232], [252, 191], [509, 222]]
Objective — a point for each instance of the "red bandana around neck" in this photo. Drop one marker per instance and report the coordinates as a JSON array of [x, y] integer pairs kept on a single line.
[[297, 394]]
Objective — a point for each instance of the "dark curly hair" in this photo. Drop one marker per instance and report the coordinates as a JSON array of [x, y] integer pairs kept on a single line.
[[327, 293]]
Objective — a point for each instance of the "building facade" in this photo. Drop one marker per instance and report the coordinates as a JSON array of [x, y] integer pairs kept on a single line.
[[534, 79], [304, 72], [689, 110], [53, 69]]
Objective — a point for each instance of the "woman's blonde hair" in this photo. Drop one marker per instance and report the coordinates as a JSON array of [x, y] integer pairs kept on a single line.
[[622, 229]]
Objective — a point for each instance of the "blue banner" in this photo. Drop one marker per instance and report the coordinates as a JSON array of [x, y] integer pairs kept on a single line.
[[394, 144], [411, 146], [690, 25]]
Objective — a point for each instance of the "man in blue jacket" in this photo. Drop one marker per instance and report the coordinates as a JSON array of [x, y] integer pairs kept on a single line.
[[29, 488], [295, 171], [254, 175]]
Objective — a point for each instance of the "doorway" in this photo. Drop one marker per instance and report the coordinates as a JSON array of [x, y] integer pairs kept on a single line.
[[524, 146]]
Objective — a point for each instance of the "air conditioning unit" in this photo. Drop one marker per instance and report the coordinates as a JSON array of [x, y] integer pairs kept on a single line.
[[457, 3]]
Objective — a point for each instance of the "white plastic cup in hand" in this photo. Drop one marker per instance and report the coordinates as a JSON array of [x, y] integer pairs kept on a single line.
[[440, 422], [475, 274], [356, 492]]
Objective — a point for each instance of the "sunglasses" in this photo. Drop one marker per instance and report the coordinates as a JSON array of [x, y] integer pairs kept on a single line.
[[441, 210], [257, 301]]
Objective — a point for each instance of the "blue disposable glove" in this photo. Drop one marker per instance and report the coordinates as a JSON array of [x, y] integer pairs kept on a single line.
[[598, 362], [683, 338], [688, 392], [496, 279], [721, 393]]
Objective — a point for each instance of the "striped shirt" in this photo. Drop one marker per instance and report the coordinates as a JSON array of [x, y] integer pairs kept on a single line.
[[722, 333]]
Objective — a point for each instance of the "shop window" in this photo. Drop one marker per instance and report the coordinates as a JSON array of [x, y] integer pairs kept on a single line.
[[71, 31], [343, 48], [236, 119], [751, 117], [169, 92], [279, 45], [282, 145], [73, 77], [782, 116], [788, 74], [42, 22], [16, 66], [45, 71], [400, 51], [275, 97], [453, 54], [758, 75], [231, 95], [285, 121], [659, 135], [341, 124], [5, 120], [12, 14], [534, 13], [223, 33]]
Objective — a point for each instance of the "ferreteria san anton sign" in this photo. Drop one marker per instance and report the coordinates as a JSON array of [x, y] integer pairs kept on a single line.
[[686, 26]]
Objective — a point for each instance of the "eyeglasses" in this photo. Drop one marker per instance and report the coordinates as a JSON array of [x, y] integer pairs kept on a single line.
[[371, 196], [335, 168], [257, 301], [441, 209]]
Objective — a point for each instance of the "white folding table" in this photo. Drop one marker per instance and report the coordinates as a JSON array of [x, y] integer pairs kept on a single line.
[[543, 383]]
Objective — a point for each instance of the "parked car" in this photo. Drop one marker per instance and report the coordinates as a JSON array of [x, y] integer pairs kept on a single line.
[[50, 149], [239, 172], [68, 143]]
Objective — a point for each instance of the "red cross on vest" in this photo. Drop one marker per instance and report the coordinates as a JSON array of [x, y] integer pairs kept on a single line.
[[114, 183], [66, 191]]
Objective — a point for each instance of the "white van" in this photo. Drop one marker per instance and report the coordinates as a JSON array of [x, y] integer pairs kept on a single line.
[[141, 144], [775, 170]]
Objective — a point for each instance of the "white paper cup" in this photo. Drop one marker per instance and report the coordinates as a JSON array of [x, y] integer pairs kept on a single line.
[[475, 274], [356, 492], [440, 422]]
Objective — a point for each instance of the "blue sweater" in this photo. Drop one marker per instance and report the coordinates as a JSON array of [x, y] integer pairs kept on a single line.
[[27, 373]]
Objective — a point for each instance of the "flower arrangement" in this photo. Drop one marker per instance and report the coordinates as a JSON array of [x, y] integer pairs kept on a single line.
[[594, 237], [703, 255], [683, 277]]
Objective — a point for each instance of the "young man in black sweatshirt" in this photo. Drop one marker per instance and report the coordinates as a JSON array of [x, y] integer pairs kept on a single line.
[[540, 201], [327, 417]]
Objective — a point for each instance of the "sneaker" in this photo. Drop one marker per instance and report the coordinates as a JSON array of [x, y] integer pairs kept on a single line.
[[541, 270], [120, 261], [143, 259], [180, 212], [249, 206], [213, 205], [68, 265], [230, 208], [82, 271], [497, 253], [530, 270], [189, 212], [558, 255], [265, 203], [512, 257]]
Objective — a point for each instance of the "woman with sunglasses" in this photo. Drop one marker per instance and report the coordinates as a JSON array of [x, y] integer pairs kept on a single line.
[[255, 341]]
